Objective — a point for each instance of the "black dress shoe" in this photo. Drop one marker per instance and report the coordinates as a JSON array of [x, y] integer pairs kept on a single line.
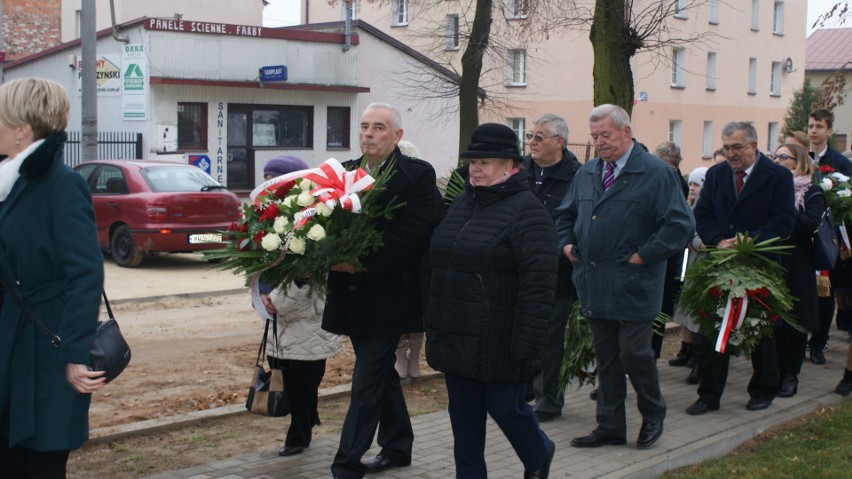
[[756, 404], [544, 471], [789, 386], [290, 450], [383, 463], [700, 407], [817, 357], [544, 416], [594, 394], [649, 433], [598, 439]]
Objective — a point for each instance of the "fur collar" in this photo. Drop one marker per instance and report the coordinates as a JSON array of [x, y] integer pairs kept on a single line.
[[40, 161]]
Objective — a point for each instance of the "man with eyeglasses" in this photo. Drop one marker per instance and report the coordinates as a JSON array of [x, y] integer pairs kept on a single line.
[[746, 194], [550, 168]]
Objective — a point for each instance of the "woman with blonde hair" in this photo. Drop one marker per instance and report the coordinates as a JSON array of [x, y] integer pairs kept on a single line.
[[810, 206], [51, 260]]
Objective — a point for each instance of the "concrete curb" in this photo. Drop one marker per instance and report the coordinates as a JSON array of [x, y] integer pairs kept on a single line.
[[121, 431], [720, 444]]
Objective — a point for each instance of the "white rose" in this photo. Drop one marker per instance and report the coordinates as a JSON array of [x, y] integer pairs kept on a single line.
[[306, 185], [280, 224], [825, 184], [323, 209], [288, 201], [840, 177], [297, 245], [316, 233], [844, 193], [305, 199], [271, 242]]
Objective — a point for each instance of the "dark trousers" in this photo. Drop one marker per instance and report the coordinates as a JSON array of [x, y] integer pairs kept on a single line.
[[21, 463], [790, 350], [714, 372], [376, 401], [301, 384], [819, 338], [625, 347], [548, 397], [470, 401]]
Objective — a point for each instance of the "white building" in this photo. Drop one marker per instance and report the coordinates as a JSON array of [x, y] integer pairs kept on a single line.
[[192, 89]]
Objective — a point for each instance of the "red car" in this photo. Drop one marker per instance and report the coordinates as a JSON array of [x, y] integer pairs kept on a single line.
[[147, 207]]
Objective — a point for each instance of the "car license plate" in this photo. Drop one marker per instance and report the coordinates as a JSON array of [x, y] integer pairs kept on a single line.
[[205, 238]]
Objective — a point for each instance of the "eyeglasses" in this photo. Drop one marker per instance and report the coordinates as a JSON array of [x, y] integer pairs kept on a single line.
[[782, 157], [538, 137], [737, 147]]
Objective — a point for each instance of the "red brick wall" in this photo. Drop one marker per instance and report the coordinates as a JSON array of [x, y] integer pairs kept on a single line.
[[30, 26]]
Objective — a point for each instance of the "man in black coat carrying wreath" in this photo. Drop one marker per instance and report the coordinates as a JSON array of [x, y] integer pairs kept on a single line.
[[375, 306]]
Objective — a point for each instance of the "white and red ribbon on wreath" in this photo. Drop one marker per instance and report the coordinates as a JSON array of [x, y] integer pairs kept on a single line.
[[334, 186], [735, 311]]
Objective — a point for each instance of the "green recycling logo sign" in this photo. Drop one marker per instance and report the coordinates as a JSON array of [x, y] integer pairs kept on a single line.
[[134, 79]]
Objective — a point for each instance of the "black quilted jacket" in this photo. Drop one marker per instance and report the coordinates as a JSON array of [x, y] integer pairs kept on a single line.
[[494, 263]]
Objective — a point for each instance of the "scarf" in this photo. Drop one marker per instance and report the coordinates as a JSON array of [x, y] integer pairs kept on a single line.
[[801, 185], [10, 169]]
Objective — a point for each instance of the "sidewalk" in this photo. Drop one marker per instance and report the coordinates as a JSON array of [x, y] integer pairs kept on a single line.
[[687, 439]]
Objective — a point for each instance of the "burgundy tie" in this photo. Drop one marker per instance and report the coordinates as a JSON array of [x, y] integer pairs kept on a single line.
[[609, 175], [740, 181]]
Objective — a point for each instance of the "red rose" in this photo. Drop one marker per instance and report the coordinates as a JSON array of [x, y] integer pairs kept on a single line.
[[283, 190], [826, 169], [258, 237], [244, 228], [703, 314], [716, 292], [774, 318], [233, 227], [269, 213]]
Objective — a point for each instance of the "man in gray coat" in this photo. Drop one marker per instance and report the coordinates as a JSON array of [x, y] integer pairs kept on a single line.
[[623, 216]]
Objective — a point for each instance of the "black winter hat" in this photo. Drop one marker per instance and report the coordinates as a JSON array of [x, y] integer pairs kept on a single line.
[[493, 140]]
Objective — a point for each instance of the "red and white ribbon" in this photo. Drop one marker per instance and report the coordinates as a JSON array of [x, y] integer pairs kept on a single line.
[[335, 185], [735, 311], [844, 235]]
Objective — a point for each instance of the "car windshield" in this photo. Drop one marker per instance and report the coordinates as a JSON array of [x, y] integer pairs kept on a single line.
[[171, 179]]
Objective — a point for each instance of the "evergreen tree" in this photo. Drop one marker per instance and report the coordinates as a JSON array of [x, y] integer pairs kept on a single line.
[[801, 106]]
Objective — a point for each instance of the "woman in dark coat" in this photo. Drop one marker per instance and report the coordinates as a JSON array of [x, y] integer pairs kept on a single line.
[[49, 257], [492, 287], [801, 279]]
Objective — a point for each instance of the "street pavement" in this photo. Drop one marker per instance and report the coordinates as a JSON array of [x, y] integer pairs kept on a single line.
[[687, 439]]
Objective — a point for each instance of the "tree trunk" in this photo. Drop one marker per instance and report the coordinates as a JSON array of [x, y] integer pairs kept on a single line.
[[612, 46], [471, 70]]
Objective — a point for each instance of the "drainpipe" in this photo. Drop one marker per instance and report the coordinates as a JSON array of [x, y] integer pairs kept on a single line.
[[114, 27], [347, 29]]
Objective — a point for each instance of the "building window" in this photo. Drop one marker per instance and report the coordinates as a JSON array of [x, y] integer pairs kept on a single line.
[[192, 126], [282, 126], [711, 71], [517, 71], [452, 32], [678, 67], [840, 141], [752, 76], [707, 140], [518, 126], [714, 12], [778, 17], [676, 131], [772, 136], [680, 8], [78, 22], [337, 127], [516, 9], [755, 15], [775, 80], [399, 9]]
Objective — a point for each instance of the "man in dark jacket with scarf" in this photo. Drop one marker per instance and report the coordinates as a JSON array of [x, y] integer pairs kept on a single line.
[[374, 306], [550, 168], [623, 217]]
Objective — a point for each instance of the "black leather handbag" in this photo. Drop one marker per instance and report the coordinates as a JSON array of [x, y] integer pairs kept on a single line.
[[266, 395], [826, 244], [108, 351]]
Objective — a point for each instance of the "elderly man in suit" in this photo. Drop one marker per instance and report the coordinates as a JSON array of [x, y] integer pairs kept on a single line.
[[374, 306], [746, 194], [622, 218]]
